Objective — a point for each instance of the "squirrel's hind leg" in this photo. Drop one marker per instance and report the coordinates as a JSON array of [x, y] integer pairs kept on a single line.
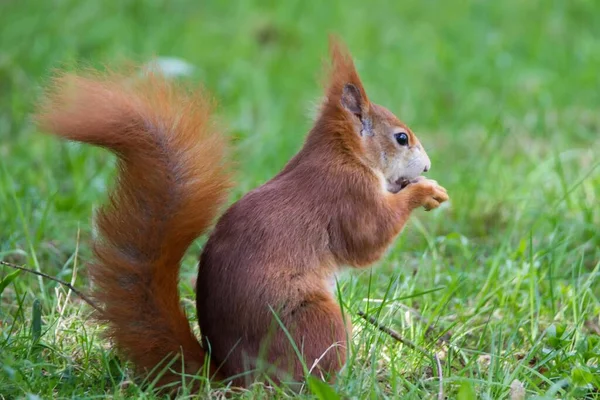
[[320, 334]]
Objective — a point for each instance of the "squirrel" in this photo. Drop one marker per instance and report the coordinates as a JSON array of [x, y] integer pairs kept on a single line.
[[264, 299]]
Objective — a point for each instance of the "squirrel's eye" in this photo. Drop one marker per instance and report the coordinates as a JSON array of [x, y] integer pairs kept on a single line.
[[401, 138]]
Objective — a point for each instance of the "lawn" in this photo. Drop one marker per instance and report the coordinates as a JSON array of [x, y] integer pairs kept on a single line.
[[502, 283]]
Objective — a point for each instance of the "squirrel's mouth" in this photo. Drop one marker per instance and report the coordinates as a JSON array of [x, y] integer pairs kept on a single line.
[[397, 185]]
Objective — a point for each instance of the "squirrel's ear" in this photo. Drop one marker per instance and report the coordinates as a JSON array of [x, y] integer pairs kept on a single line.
[[344, 86], [352, 99], [353, 102]]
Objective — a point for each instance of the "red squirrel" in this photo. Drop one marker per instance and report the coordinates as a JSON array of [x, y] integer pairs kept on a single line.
[[265, 273]]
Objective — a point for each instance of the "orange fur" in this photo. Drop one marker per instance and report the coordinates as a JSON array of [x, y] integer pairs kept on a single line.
[[339, 202], [171, 182]]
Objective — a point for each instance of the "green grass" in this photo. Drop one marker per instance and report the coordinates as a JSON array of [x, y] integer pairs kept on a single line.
[[505, 97]]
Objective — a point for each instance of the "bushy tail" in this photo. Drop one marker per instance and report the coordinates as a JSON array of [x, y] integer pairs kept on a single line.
[[171, 183]]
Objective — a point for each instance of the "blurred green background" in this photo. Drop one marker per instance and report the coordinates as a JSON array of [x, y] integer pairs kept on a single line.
[[505, 97]]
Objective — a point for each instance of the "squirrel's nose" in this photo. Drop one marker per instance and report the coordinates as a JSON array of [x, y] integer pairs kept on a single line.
[[427, 168]]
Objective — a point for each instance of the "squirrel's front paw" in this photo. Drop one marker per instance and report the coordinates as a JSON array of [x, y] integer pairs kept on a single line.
[[427, 193]]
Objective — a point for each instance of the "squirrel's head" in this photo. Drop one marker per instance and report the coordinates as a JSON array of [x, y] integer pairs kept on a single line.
[[382, 142]]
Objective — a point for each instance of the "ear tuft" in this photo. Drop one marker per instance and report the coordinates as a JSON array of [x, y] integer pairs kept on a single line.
[[344, 83], [352, 99]]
